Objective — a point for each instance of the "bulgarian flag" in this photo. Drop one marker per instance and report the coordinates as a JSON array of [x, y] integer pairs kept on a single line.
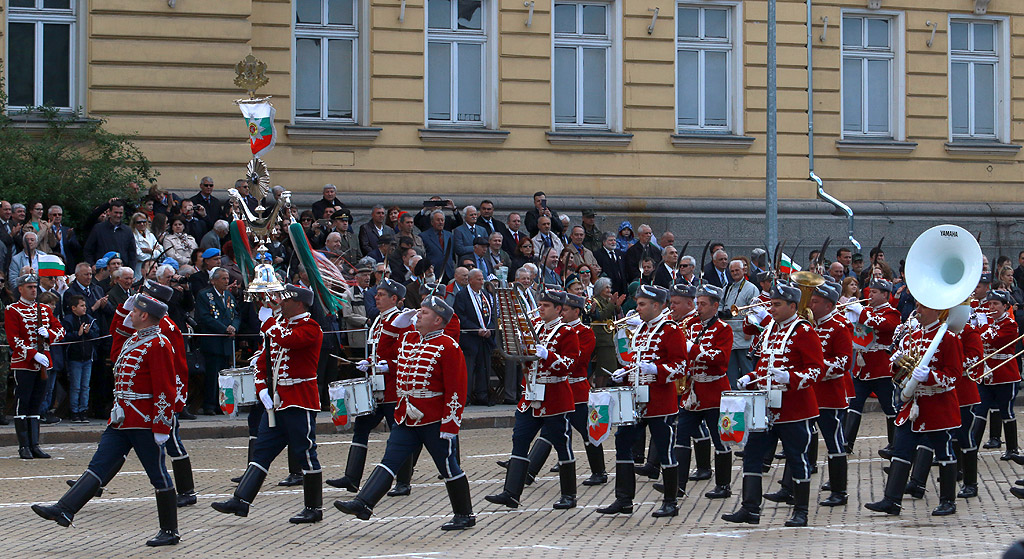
[[624, 355], [732, 420], [50, 266], [599, 408], [787, 266], [259, 119], [339, 411]]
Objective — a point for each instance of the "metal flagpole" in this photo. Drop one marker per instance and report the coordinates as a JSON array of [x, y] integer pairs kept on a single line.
[[772, 151]]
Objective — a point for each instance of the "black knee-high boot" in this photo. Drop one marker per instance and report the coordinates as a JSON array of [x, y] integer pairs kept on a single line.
[[683, 455], [538, 455], [294, 472], [371, 493], [63, 512], [515, 480], [33, 444], [919, 472], [994, 419], [238, 504], [567, 483], [598, 474], [785, 493], [892, 502], [312, 499], [969, 460], [850, 429], [1010, 434], [801, 503], [838, 467], [403, 477], [702, 456], [723, 476], [183, 481], [21, 429], [947, 490], [625, 490], [167, 513], [462, 505], [750, 502], [353, 470], [669, 503]]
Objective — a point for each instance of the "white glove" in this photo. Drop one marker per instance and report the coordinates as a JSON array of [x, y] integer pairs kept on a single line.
[[920, 373], [404, 318], [780, 376], [689, 346], [43, 332], [42, 360], [363, 366], [896, 356], [759, 313], [982, 318], [130, 303], [619, 375], [649, 368], [634, 320], [743, 381], [253, 360], [541, 351], [268, 402], [160, 438], [448, 436], [381, 367], [853, 312]]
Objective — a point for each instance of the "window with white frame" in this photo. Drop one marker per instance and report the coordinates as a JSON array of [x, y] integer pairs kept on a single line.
[[582, 66], [975, 78], [326, 60], [869, 75], [705, 91], [41, 49], [456, 62]]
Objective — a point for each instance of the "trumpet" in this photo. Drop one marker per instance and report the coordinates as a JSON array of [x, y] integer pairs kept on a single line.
[[614, 325], [736, 311], [846, 304]]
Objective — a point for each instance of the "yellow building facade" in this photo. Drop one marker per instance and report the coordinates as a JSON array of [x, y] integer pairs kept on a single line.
[[622, 104]]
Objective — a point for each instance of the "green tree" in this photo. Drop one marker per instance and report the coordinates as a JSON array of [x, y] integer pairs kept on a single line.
[[67, 160]]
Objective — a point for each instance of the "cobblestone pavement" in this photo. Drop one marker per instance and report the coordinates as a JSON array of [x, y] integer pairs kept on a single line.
[[117, 524]]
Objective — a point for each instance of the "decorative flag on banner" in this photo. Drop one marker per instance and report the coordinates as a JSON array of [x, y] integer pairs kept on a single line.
[[339, 411], [623, 354], [732, 424], [787, 266], [863, 335], [50, 266], [599, 422], [227, 394], [259, 118]]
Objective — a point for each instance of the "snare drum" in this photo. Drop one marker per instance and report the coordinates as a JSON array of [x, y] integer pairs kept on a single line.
[[623, 410], [245, 385], [755, 407], [358, 396]]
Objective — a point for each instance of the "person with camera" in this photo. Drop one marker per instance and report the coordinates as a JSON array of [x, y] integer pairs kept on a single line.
[[422, 219]]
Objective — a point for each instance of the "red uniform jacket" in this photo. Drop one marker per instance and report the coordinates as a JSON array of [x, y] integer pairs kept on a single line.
[[578, 381], [453, 328], [297, 343], [385, 336], [934, 406], [22, 326], [119, 334], [800, 355], [970, 342], [1000, 332], [707, 362], [144, 382], [873, 362], [431, 381], [837, 349], [662, 342], [554, 371], [749, 329]]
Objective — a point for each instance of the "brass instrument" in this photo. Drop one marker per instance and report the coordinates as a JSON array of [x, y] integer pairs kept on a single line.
[[613, 325], [848, 303], [736, 311], [806, 282], [978, 377]]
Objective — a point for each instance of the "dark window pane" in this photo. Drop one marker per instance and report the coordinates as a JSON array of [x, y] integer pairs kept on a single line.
[[339, 78], [439, 14], [308, 11], [340, 12], [56, 68], [469, 14], [21, 39], [55, 4], [23, 3], [307, 77]]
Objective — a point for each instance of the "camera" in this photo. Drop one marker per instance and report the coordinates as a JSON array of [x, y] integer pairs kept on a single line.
[[435, 203]]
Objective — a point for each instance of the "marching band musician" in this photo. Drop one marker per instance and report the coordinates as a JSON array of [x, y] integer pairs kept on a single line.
[[681, 305], [383, 341], [967, 397], [928, 417], [31, 327], [758, 317], [431, 388], [709, 342], [659, 347], [289, 369], [791, 356], [997, 389], [557, 349], [141, 420], [872, 372]]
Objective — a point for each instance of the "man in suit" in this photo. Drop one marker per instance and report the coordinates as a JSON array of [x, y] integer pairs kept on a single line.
[[540, 209], [481, 261], [580, 253], [371, 231], [487, 221], [667, 273], [329, 199], [548, 272], [611, 263], [495, 255], [216, 313], [120, 288], [467, 232], [194, 226], [422, 219], [435, 241], [56, 238], [207, 205], [716, 272], [385, 248], [510, 239], [643, 248], [476, 310], [545, 239], [242, 186]]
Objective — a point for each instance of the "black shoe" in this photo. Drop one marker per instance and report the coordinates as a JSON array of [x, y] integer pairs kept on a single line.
[[968, 492], [1014, 456], [1019, 482], [719, 492], [742, 516], [462, 505], [886, 505], [372, 492], [502, 463], [914, 490], [400, 490], [354, 507], [1017, 492], [209, 411], [503, 498], [554, 469], [993, 442], [187, 500], [186, 415], [459, 522], [565, 502], [750, 503], [798, 520], [164, 537], [618, 506], [50, 418], [234, 506], [836, 499], [307, 516], [945, 508], [291, 481], [25, 453], [783, 495], [237, 479], [700, 474], [596, 479], [343, 483], [667, 509], [886, 452]]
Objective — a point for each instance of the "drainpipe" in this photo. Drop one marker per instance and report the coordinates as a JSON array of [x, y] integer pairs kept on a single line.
[[840, 206]]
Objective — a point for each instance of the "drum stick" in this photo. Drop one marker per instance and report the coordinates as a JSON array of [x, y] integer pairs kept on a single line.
[[342, 359]]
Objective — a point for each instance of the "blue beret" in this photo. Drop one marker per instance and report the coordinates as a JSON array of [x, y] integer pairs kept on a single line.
[[211, 252]]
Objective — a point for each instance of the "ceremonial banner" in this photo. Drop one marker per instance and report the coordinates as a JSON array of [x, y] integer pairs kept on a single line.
[[259, 119], [732, 424], [50, 266], [599, 424], [226, 396], [339, 411], [623, 354]]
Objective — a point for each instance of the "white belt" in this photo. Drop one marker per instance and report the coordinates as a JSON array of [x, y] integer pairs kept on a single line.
[[419, 393], [292, 381], [128, 396], [930, 390], [701, 377], [551, 380], [575, 380], [1002, 356]]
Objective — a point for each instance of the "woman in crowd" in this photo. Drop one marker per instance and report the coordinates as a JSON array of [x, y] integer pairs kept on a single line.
[[391, 220], [35, 218], [587, 279], [178, 244], [146, 245], [158, 226], [604, 308], [523, 253]]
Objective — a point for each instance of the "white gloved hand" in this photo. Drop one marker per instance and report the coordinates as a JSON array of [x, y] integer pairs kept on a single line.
[[160, 438], [448, 436], [363, 366], [268, 402], [130, 303], [759, 313], [853, 312], [920, 373], [44, 333], [619, 375], [689, 346], [896, 356], [404, 318], [541, 351], [982, 318], [780, 376], [253, 360], [649, 368], [633, 320], [743, 381], [381, 367], [41, 359]]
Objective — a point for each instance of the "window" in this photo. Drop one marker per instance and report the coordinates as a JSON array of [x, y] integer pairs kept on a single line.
[[705, 80], [326, 60], [976, 80], [457, 57], [583, 61], [871, 76], [41, 53]]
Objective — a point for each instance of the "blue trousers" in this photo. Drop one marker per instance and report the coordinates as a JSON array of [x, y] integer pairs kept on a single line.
[[830, 423], [29, 390], [175, 448], [964, 435], [693, 424], [366, 423], [883, 389], [115, 445], [296, 430], [663, 435], [796, 441], [996, 397], [555, 429], [906, 441], [405, 441]]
